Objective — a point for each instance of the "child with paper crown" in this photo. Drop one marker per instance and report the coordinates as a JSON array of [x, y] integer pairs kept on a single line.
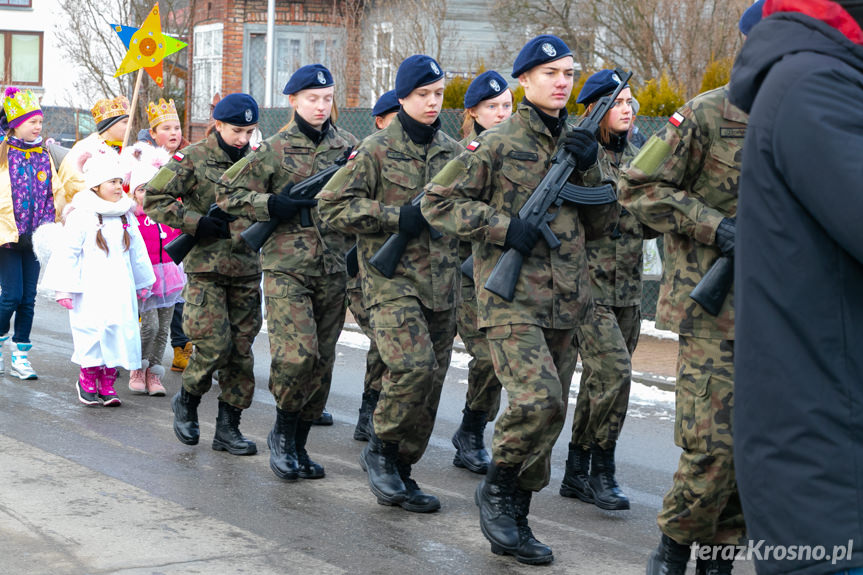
[[157, 309], [28, 184], [165, 129], [98, 270]]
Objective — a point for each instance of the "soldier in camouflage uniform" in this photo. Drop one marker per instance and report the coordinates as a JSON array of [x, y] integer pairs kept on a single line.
[[477, 197], [412, 313], [607, 342], [487, 102], [304, 267], [384, 112], [222, 314], [683, 183]]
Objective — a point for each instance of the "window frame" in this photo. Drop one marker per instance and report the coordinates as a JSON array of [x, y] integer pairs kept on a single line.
[[5, 4], [6, 75], [200, 109]]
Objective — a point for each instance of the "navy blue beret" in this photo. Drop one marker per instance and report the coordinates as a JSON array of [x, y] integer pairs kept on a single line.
[[542, 49], [751, 17], [308, 77], [388, 102], [598, 85], [237, 109], [484, 87], [417, 70]]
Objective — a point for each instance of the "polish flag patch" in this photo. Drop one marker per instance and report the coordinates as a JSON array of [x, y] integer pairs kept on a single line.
[[473, 146], [353, 155], [179, 156], [676, 119], [255, 147]]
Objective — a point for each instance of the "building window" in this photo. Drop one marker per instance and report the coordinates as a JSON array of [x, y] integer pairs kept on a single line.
[[17, 3], [206, 69], [21, 53], [383, 65]]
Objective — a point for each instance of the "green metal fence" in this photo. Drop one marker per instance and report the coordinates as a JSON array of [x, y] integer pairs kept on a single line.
[[360, 122]]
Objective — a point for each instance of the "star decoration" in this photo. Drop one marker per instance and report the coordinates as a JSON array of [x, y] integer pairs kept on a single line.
[[146, 46]]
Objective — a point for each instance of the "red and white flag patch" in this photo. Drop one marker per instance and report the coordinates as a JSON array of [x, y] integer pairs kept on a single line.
[[353, 155], [179, 156], [473, 146], [676, 119]]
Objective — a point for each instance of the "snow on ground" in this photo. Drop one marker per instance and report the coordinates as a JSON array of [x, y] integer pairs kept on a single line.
[[648, 328]]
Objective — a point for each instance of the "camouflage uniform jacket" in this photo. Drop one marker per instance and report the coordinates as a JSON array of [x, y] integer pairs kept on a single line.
[[387, 171], [289, 157], [474, 198], [682, 183], [615, 261], [182, 192]]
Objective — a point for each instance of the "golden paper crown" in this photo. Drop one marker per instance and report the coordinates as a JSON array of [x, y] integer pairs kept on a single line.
[[161, 112], [110, 108], [19, 103]]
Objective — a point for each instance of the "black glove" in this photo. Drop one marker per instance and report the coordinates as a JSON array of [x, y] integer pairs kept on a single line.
[[521, 236], [725, 236], [581, 143], [411, 221], [25, 243], [284, 208], [212, 228]]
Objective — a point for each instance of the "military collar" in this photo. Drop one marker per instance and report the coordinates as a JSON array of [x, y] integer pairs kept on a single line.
[[300, 139], [731, 112], [419, 133], [553, 125], [313, 134], [401, 142]]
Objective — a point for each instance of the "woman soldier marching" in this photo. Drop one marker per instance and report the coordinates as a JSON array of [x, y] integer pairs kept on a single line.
[[607, 342], [304, 267], [487, 103], [222, 314]]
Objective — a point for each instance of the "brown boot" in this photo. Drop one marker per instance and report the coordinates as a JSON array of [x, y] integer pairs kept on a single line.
[[181, 357]]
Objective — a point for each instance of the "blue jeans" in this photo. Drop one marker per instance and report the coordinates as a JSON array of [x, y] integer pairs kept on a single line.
[[19, 272]]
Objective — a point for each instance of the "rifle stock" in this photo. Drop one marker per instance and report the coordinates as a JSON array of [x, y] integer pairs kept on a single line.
[[352, 262], [504, 276], [467, 266], [711, 291], [387, 258], [178, 248]]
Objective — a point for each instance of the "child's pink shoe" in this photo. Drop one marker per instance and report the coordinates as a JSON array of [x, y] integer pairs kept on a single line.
[[107, 394], [137, 382], [88, 380], [154, 380]]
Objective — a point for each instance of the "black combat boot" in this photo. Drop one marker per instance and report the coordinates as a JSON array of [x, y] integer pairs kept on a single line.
[[326, 418], [470, 450], [364, 424], [283, 447], [380, 459], [530, 550], [714, 567], [606, 494], [228, 437], [416, 500], [185, 408], [308, 468], [669, 558], [575, 480], [497, 517]]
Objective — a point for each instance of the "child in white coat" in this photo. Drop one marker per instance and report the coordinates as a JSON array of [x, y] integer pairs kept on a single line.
[[97, 271]]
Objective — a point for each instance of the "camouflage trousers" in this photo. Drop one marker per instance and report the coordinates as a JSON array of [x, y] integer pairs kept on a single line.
[[606, 346], [703, 505], [415, 344], [529, 361], [305, 315], [221, 318], [375, 366], [483, 387]]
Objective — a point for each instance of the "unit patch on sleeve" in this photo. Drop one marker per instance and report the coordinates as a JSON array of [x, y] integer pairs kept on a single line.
[[179, 156], [473, 146]]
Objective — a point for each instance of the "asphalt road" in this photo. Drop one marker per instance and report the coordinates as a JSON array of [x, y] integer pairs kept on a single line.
[[98, 490]]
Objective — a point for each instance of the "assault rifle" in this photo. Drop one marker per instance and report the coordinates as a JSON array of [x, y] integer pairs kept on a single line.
[[179, 247], [388, 256], [553, 190], [713, 288], [259, 232]]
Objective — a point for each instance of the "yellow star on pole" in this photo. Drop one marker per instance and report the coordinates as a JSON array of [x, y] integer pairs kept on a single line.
[[146, 46]]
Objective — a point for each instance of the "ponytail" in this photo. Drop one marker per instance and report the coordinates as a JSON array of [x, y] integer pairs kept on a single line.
[[100, 239]]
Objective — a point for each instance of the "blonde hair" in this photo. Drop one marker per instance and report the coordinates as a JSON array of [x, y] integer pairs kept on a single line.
[[4, 154], [467, 120], [100, 239]]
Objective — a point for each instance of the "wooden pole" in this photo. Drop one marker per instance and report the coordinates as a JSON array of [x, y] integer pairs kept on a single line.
[[133, 106]]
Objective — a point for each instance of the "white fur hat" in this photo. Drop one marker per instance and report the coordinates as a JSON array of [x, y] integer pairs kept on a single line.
[[99, 167], [141, 162]]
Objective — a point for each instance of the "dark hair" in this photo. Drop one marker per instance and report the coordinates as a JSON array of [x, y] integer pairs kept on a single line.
[[100, 239]]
